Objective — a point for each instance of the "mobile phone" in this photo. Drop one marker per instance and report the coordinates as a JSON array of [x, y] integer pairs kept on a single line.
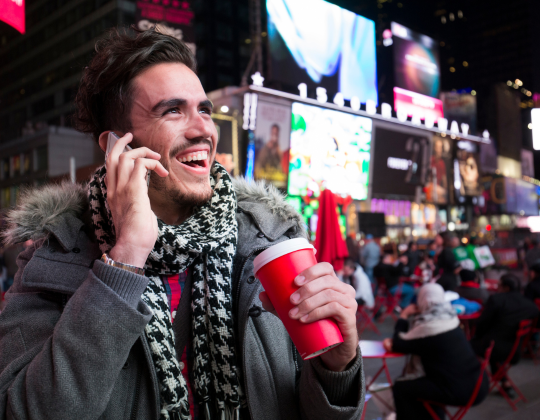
[[111, 141]]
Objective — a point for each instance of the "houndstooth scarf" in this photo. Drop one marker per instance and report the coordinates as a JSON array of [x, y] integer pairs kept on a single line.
[[206, 242]]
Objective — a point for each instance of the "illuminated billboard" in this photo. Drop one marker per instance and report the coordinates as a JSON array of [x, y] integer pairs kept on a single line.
[[400, 163], [322, 45], [174, 18], [12, 12], [328, 149], [416, 61], [425, 107]]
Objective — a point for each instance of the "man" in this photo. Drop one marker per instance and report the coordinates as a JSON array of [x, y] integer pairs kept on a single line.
[[354, 275], [449, 265], [141, 302], [500, 320], [391, 272], [532, 290], [370, 256], [470, 289], [533, 254]]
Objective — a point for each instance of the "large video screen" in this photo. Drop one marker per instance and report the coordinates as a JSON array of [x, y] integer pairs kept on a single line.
[[329, 149], [467, 170], [416, 61], [400, 163], [322, 45], [440, 176]]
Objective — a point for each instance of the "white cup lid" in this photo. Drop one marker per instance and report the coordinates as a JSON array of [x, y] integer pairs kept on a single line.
[[279, 250]]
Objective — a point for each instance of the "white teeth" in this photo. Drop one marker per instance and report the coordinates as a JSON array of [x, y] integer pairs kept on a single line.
[[196, 156]]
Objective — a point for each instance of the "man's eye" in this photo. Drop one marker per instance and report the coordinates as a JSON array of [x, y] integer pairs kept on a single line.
[[206, 110], [171, 111]]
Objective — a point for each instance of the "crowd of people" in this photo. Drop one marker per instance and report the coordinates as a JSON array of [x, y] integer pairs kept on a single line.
[[433, 289]]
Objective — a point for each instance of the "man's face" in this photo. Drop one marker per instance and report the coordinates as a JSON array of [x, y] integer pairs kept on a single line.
[[348, 271], [171, 115], [274, 137]]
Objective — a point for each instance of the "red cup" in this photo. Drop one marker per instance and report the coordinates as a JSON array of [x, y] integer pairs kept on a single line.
[[276, 268]]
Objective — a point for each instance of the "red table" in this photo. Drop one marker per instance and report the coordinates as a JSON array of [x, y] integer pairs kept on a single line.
[[465, 321], [375, 350]]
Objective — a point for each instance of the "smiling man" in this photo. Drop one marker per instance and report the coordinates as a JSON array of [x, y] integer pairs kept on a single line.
[[139, 302]]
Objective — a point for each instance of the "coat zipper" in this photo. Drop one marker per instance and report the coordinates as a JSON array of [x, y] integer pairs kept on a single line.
[[135, 409]]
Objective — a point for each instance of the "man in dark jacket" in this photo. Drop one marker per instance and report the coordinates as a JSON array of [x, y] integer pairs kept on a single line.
[[470, 289], [140, 301], [532, 290], [500, 321]]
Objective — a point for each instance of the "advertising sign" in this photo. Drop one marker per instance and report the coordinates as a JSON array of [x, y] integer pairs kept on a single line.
[[416, 61], [322, 45], [416, 104], [466, 170], [227, 147], [460, 107], [272, 137], [440, 176], [331, 149], [12, 12], [400, 163], [171, 17], [527, 163]]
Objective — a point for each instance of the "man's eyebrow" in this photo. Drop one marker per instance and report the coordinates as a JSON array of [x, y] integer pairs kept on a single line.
[[169, 103], [206, 103]]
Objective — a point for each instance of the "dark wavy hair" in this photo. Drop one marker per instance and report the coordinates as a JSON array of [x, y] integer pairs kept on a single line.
[[510, 281], [103, 101]]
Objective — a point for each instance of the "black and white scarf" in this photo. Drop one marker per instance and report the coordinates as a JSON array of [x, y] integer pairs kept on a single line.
[[206, 242]]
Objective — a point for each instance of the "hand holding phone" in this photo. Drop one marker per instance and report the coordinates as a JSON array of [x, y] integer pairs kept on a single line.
[[111, 141], [127, 195]]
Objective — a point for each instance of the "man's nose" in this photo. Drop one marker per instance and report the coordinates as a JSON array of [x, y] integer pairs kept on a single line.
[[199, 127]]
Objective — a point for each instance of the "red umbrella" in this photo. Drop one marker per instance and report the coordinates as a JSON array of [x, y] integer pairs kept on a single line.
[[328, 241]]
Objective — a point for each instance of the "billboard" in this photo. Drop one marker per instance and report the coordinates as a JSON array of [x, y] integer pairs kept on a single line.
[[227, 146], [440, 176], [400, 163], [272, 137], [322, 45], [417, 104], [329, 149], [460, 107], [416, 61], [467, 170], [12, 12], [174, 18]]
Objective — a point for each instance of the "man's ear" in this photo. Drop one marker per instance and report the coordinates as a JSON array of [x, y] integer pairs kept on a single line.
[[103, 137]]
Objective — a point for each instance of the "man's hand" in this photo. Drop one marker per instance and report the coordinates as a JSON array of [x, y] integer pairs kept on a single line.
[[322, 295], [127, 195], [408, 311]]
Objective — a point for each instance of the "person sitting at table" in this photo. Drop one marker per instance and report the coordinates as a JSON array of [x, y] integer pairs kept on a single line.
[[443, 367], [354, 275], [425, 270], [391, 272], [470, 288], [532, 290], [499, 321]]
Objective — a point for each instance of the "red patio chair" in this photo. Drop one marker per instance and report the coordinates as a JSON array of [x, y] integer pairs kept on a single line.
[[365, 319], [458, 415], [527, 342], [524, 329], [385, 298]]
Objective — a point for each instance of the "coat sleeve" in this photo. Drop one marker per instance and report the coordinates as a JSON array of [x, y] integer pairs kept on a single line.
[[415, 346], [63, 363], [325, 394]]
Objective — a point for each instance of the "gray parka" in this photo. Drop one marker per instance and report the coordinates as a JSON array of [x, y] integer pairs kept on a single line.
[[72, 342]]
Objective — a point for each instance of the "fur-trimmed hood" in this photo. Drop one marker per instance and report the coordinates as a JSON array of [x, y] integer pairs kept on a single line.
[[41, 208]]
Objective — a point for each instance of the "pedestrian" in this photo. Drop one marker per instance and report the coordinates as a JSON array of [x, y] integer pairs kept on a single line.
[[370, 256], [127, 305], [470, 288], [413, 256], [532, 290], [391, 272], [448, 265]]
